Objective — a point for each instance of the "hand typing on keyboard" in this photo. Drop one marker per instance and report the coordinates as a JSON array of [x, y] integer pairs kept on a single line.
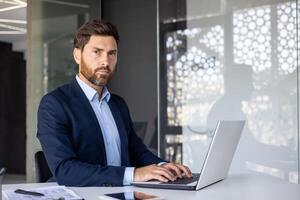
[[164, 173], [180, 171], [185, 180]]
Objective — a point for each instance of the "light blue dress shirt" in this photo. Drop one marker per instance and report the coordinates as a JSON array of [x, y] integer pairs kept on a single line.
[[108, 126]]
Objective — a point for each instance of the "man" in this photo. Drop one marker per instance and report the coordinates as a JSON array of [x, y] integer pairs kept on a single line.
[[86, 133]]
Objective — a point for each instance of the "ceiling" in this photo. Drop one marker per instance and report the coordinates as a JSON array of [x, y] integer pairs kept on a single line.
[[13, 21]]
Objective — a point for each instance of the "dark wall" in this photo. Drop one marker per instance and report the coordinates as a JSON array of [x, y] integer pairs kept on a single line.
[[136, 76], [12, 109]]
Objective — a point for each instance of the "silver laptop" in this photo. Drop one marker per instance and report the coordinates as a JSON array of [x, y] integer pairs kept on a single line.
[[217, 161]]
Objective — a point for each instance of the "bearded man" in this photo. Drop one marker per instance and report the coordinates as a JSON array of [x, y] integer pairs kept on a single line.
[[86, 132]]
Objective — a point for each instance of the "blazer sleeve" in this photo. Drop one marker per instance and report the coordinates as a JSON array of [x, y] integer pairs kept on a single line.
[[139, 154], [54, 134]]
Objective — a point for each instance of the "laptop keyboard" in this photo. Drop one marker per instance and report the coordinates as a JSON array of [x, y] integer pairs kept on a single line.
[[184, 180]]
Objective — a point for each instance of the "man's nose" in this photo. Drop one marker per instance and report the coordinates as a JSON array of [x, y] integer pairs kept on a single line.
[[104, 61]]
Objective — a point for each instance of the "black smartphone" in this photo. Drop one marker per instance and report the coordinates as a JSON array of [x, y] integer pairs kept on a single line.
[[134, 195]]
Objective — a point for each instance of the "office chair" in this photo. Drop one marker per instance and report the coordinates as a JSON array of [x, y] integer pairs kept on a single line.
[[140, 129], [42, 170]]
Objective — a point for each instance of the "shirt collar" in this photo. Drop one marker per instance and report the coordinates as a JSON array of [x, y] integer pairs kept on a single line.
[[91, 93]]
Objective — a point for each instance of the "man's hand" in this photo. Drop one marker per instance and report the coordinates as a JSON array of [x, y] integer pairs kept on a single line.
[[163, 173], [178, 170]]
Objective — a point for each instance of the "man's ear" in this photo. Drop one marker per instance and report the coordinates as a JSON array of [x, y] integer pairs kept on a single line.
[[77, 55]]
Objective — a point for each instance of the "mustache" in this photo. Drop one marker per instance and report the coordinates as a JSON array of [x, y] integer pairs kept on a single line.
[[102, 68]]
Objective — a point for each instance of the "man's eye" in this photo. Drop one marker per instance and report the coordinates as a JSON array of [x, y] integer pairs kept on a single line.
[[113, 53]]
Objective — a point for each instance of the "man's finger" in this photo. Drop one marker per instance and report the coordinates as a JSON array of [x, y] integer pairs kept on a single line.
[[160, 178], [166, 173], [186, 170], [173, 167]]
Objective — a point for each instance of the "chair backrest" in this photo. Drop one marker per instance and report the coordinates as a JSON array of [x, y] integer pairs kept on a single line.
[[2, 171], [140, 129], [42, 170]]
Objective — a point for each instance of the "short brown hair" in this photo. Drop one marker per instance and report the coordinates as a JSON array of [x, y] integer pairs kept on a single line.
[[94, 27]]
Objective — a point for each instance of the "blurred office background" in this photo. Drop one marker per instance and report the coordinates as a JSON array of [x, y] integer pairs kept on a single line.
[[182, 66]]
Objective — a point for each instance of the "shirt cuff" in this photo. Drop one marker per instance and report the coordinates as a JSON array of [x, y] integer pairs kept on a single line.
[[128, 175]]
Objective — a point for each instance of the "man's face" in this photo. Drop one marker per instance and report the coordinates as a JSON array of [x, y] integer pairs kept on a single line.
[[98, 59]]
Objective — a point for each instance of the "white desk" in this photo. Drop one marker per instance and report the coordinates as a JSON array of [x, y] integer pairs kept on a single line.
[[235, 187]]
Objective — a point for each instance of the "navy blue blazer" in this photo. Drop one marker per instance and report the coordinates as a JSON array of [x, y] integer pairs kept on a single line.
[[71, 139]]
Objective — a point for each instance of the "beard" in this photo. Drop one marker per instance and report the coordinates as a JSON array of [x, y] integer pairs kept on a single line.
[[92, 76]]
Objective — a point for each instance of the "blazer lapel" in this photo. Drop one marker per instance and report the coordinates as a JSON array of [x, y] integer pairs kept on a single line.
[[80, 100], [122, 132]]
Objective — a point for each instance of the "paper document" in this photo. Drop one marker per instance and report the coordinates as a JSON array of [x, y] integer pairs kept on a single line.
[[50, 193]]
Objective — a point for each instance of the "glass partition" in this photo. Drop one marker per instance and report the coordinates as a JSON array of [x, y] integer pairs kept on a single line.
[[298, 65], [51, 24], [230, 60]]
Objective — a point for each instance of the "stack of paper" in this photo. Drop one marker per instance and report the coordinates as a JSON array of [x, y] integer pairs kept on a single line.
[[53, 193]]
